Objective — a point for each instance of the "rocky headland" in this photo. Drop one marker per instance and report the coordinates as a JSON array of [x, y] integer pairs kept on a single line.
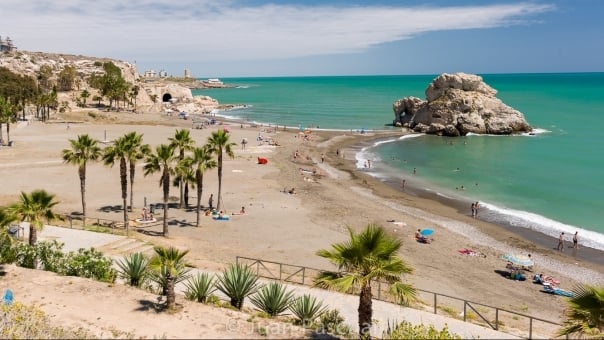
[[458, 104], [153, 95]]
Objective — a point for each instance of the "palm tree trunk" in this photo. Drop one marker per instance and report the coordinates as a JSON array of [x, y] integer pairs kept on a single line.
[[124, 183], [33, 234], [219, 180], [182, 195], [132, 170], [166, 184], [170, 295], [199, 178], [186, 195], [365, 311], [82, 173]]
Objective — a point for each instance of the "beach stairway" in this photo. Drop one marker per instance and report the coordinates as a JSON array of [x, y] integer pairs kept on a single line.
[[127, 246]]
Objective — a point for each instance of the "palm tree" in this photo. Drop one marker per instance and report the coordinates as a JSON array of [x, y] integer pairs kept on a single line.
[[169, 262], [201, 160], [82, 150], [183, 142], [184, 174], [584, 313], [7, 115], [135, 151], [162, 161], [118, 152], [34, 208], [219, 142], [6, 240], [368, 256]]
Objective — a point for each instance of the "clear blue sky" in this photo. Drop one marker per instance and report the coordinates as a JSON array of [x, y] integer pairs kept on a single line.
[[232, 38]]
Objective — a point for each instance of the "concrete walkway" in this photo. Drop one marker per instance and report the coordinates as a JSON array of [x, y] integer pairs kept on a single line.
[[347, 305]]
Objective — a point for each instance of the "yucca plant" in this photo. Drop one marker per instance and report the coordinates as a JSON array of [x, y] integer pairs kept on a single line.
[[307, 309], [134, 269], [237, 281], [273, 299], [200, 287]]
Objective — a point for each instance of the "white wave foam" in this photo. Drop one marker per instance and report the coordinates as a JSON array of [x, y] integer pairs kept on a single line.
[[544, 225]]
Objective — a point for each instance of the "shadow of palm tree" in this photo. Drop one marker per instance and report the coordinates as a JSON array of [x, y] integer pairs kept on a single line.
[[150, 232], [147, 305], [111, 208], [181, 223]]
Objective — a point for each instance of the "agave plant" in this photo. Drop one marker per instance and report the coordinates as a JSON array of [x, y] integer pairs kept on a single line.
[[237, 281], [307, 309], [273, 299], [134, 269], [200, 287]]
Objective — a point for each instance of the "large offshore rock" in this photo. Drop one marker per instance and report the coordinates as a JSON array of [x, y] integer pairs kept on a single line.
[[458, 104]]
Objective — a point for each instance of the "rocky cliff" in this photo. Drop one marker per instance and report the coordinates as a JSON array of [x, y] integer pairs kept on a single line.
[[458, 104], [155, 95]]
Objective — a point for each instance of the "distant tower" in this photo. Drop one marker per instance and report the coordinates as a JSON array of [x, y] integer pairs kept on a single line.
[[187, 73]]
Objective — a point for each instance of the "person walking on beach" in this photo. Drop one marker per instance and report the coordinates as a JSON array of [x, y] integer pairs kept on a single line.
[[576, 240], [404, 181], [560, 246], [473, 210], [476, 205], [211, 201], [322, 157]]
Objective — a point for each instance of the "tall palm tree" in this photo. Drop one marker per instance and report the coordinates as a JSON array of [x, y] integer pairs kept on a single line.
[[219, 143], [6, 240], [118, 152], [135, 151], [82, 150], [182, 141], [7, 115], [584, 316], [34, 208], [171, 263], [162, 161], [368, 256], [184, 174], [201, 160]]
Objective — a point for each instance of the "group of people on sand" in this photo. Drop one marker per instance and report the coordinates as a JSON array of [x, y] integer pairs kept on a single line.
[[146, 216]]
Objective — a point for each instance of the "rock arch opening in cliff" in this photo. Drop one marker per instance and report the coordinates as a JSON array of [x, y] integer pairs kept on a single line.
[[166, 97]]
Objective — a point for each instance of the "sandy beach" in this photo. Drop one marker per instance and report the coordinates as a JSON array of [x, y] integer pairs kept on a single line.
[[290, 228]]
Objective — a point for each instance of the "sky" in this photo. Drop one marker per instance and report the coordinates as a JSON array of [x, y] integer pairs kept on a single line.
[[246, 38]]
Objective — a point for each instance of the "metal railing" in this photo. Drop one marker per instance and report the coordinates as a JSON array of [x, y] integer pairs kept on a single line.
[[485, 315]]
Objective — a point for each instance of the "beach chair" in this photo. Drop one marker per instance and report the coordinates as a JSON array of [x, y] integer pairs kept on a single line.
[[7, 299]]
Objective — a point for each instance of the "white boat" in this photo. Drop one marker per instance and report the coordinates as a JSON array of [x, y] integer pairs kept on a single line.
[[213, 82]]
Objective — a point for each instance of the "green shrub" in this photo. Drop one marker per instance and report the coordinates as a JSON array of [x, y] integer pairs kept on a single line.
[[405, 330], [89, 263], [50, 255], [237, 281], [25, 255], [134, 268], [307, 309], [272, 299], [200, 287], [331, 322], [18, 321], [7, 247]]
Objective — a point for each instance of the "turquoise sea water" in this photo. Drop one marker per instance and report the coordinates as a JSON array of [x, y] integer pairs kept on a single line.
[[552, 181]]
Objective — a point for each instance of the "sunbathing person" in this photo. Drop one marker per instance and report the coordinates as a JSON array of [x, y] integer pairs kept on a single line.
[[241, 212], [421, 238]]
